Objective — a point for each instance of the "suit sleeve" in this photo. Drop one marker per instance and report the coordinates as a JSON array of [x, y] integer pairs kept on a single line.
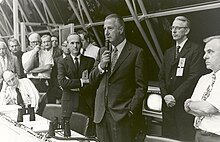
[[161, 77], [63, 79], [17, 66], [95, 76], [141, 81]]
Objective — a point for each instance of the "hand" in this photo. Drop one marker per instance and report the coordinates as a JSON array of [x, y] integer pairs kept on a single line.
[[170, 100], [105, 59], [186, 105], [85, 80], [37, 48]]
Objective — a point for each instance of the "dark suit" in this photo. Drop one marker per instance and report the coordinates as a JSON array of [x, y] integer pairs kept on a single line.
[[54, 92], [81, 101], [19, 56], [123, 89], [177, 123]]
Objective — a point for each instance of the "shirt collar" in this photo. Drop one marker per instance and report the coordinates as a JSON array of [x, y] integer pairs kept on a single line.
[[120, 46], [182, 43], [76, 56]]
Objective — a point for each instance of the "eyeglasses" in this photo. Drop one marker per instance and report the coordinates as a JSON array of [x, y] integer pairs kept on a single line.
[[35, 42], [176, 28]]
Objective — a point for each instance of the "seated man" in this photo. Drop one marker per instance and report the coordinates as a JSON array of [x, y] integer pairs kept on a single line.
[[13, 87]]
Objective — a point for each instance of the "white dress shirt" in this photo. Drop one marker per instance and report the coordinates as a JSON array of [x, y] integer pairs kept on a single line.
[[181, 44], [29, 93], [45, 58], [209, 123]]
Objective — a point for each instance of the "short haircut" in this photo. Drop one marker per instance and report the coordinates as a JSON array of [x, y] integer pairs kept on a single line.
[[85, 34], [74, 33], [34, 35], [208, 39], [13, 40], [118, 18], [45, 36], [184, 19]]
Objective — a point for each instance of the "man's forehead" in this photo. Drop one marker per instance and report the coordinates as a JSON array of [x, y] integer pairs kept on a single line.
[[214, 44], [74, 38], [54, 38], [2, 45]]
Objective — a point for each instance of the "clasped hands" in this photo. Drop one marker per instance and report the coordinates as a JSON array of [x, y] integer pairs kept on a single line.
[[170, 100]]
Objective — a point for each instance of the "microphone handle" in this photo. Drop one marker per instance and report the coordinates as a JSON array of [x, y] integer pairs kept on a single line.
[[108, 45]]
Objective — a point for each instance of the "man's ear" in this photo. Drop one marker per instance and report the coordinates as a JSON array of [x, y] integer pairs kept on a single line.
[[121, 29], [187, 31]]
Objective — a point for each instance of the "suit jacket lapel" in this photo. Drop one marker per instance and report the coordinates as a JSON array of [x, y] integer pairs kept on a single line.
[[83, 63], [70, 64], [124, 54], [185, 49]]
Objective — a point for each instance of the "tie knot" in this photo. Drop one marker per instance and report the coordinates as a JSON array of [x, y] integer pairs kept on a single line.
[[17, 89], [115, 49], [177, 48], [76, 58]]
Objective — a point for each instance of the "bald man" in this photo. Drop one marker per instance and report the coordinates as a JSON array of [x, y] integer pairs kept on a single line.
[[28, 91]]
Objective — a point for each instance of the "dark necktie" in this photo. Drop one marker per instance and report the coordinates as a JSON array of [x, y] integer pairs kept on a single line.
[[204, 97], [19, 97], [36, 63], [76, 65], [36, 60], [114, 58], [177, 51]]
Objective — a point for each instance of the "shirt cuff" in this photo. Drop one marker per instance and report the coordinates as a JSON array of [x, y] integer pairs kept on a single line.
[[81, 82]]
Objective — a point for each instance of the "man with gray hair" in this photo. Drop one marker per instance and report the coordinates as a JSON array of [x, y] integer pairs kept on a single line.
[[204, 103], [181, 68]]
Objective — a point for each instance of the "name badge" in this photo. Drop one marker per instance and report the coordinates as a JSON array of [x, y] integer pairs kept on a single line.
[[85, 74], [179, 72], [181, 62]]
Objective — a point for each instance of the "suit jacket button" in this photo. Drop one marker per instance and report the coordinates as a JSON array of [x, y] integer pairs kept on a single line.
[[109, 84], [171, 78]]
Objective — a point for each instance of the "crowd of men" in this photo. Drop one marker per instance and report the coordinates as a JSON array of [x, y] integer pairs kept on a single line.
[[109, 84]]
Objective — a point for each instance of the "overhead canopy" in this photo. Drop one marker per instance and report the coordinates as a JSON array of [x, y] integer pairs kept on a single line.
[[147, 21]]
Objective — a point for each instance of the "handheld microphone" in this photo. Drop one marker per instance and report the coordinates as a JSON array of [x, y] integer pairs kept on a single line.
[[108, 46]]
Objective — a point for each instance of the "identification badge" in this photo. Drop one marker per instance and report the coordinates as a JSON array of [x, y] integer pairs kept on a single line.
[[85, 74], [181, 62], [179, 72]]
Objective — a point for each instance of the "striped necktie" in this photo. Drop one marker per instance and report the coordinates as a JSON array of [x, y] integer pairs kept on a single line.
[[177, 51], [204, 98], [114, 58]]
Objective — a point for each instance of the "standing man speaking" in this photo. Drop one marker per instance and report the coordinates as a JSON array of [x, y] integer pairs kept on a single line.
[[122, 88]]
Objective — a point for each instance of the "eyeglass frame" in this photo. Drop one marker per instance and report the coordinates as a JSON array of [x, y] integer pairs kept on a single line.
[[176, 28]]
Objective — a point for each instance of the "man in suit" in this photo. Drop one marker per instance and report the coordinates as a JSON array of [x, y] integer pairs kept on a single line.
[[15, 49], [7, 62], [121, 87], [73, 72], [181, 68], [54, 91]]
